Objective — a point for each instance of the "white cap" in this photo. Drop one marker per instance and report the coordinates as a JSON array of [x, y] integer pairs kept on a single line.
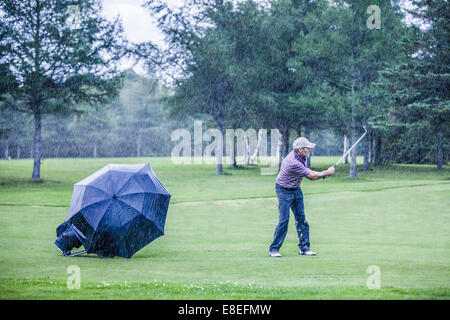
[[302, 142]]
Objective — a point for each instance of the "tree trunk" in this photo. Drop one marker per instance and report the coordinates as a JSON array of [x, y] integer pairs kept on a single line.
[[258, 145], [233, 153], [6, 151], [308, 159], [198, 141], [246, 150], [219, 150], [371, 148], [94, 153], [36, 176], [230, 136], [285, 141], [378, 146], [138, 149], [440, 150], [279, 149], [345, 149], [366, 156], [18, 152], [354, 137], [353, 153]]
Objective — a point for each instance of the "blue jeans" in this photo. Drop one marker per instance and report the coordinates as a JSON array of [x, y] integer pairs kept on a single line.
[[290, 199]]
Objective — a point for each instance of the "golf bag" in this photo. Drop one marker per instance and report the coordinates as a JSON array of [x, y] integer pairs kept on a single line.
[[68, 238]]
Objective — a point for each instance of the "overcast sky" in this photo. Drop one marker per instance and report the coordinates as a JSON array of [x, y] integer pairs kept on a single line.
[[138, 23]]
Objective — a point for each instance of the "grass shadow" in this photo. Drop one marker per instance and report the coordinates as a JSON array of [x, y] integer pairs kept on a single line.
[[27, 182]]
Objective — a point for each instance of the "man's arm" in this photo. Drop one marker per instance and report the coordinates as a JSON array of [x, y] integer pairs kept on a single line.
[[315, 175]]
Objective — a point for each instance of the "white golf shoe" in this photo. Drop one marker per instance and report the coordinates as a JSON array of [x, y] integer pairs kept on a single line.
[[306, 253], [275, 254]]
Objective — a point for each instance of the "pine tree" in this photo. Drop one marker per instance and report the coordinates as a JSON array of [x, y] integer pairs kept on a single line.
[[60, 53], [418, 89], [360, 46]]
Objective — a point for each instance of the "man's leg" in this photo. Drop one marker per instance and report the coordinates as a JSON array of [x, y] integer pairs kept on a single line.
[[284, 200], [300, 221]]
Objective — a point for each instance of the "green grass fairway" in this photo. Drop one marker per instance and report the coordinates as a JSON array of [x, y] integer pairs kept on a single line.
[[219, 228]]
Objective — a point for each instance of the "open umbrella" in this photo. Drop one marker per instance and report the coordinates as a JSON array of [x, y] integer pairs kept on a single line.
[[115, 212]]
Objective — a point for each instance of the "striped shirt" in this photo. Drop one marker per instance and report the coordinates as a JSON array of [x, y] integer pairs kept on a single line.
[[292, 171]]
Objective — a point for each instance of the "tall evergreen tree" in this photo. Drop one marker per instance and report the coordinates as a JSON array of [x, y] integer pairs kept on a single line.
[[366, 36], [199, 56], [417, 91], [282, 77], [60, 53]]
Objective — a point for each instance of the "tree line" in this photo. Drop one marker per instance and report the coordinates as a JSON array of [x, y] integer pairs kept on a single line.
[[300, 66], [133, 124], [304, 66]]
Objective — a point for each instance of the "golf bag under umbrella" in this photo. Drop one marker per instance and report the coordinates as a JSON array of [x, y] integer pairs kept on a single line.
[[68, 238], [115, 212]]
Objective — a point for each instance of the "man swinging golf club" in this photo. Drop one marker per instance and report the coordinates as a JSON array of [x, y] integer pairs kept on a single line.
[[287, 187], [293, 169]]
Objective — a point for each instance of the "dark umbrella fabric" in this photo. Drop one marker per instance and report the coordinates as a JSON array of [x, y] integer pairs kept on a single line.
[[118, 210]]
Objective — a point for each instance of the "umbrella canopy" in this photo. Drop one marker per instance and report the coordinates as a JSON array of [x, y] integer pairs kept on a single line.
[[118, 210]]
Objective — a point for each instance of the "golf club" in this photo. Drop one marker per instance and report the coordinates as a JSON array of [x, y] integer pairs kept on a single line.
[[349, 150]]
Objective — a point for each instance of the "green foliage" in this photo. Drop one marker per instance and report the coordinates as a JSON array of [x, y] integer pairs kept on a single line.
[[289, 77], [357, 53], [58, 54], [204, 55], [417, 91], [112, 129], [56, 64], [299, 66], [134, 124]]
